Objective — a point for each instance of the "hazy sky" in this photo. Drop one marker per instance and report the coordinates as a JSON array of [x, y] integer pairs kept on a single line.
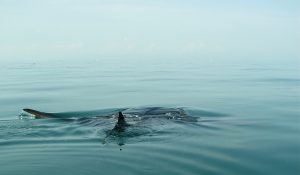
[[127, 29]]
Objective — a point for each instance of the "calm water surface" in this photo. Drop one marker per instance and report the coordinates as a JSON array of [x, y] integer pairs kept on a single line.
[[248, 118]]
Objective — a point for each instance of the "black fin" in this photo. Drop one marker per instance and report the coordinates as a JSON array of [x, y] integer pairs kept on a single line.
[[37, 114], [121, 118]]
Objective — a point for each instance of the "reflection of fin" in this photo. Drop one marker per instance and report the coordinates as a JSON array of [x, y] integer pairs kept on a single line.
[[37, 114]]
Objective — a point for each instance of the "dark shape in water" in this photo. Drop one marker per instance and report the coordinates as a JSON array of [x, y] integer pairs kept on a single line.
[[38, 114], [177, 114], [128, 117], [121, 124]]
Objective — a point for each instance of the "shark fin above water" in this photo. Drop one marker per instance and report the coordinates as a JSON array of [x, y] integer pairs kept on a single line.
[[37, 114], [121, 118], [121, 124]]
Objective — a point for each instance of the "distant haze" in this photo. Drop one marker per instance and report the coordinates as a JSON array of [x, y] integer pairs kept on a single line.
[[231, 30]]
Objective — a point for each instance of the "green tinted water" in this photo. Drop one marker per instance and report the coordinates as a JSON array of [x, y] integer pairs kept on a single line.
[[248, 118]]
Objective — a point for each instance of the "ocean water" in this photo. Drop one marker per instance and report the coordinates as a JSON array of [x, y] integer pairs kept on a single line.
[[247, 118]]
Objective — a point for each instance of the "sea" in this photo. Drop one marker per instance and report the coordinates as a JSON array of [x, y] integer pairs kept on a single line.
[[248, 117]]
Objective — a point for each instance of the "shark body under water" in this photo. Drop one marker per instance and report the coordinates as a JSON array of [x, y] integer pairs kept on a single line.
[[122, 115], [125, 118]]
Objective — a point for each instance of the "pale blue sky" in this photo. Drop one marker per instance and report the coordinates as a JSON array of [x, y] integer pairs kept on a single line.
[[137, 29]]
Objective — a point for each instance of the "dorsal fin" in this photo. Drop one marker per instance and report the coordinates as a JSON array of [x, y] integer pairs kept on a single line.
[[121, 119]]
